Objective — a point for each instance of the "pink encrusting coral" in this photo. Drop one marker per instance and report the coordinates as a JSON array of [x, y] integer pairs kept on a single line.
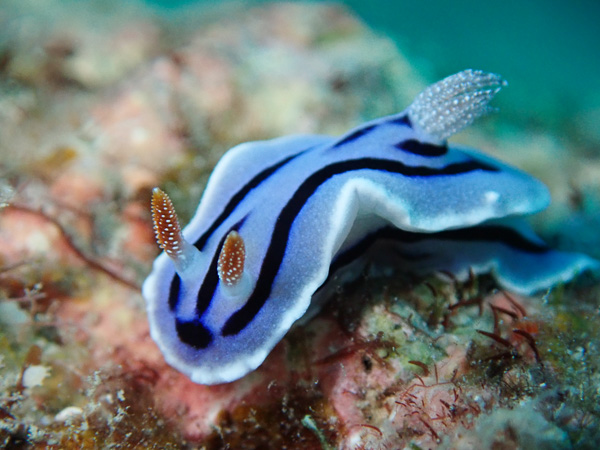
[[389, 362]]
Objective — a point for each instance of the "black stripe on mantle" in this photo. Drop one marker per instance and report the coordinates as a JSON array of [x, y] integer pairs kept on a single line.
[[275, 253], [212, 278], [426, 149]]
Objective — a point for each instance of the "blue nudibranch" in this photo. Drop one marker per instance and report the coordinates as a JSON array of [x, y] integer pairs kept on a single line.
[[280, 219]]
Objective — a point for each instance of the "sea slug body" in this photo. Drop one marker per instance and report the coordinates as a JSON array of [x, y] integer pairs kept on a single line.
[[279, 218]]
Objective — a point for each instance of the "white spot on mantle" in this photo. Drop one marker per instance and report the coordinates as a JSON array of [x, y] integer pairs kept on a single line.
[[491, 196]]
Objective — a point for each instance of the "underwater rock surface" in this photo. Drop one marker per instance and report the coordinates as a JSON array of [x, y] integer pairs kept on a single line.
[[98, 105]]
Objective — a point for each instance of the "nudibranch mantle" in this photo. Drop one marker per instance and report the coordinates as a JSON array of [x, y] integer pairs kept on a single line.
[[280, 218]]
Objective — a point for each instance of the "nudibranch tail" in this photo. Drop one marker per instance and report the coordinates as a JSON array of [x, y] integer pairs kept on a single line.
[[450, 105], [168, 232], [230, 267]]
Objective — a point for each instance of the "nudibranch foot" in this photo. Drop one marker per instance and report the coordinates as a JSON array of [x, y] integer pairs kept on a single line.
[[280, 221]]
